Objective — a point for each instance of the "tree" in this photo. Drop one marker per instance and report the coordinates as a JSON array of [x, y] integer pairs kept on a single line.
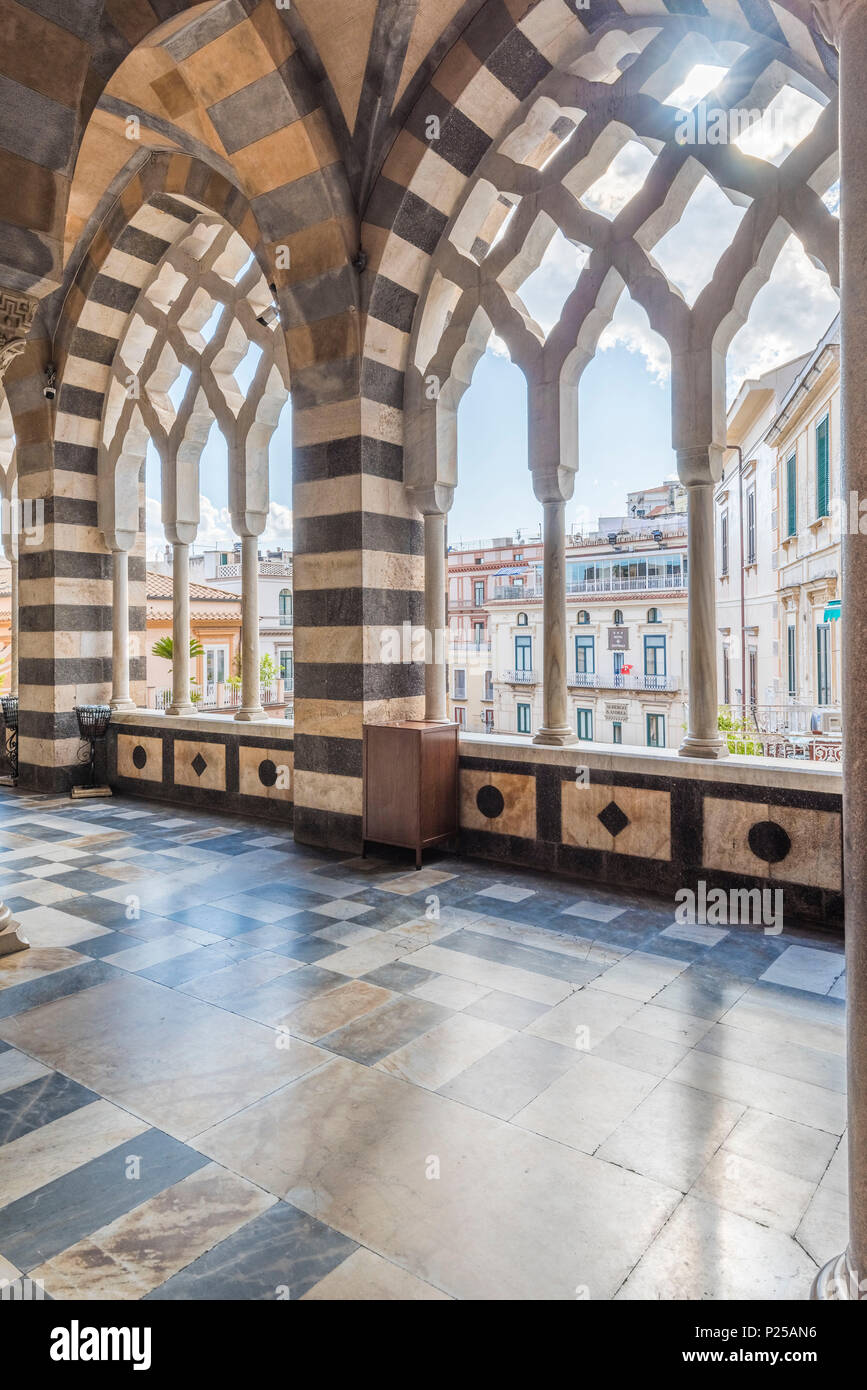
[[267, 670], [165, 648]]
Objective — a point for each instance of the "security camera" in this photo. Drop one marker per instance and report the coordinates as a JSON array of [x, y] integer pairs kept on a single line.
[[49, 390]]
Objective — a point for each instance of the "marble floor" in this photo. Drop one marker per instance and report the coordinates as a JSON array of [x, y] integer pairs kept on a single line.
[[236, 1068]]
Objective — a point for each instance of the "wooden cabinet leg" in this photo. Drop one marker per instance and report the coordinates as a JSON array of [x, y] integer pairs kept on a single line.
[[418, 858]]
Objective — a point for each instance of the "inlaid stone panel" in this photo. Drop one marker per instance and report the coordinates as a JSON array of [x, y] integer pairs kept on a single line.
[[621, 820], [501, 802], [791, 843], [140, 757], [199, 764], [266, 772]]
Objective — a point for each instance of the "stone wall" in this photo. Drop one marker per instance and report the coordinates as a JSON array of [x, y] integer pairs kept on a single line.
[[647, 821], [204, 762]]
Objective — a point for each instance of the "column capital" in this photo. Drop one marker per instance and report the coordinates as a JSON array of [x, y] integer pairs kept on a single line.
[[17, 312], [249, 523], [701, 466], [831, 17], [435, 500], [554, 485]]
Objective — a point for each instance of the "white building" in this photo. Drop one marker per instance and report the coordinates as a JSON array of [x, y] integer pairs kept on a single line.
[[223, 567], [750, 661], [626, 641]]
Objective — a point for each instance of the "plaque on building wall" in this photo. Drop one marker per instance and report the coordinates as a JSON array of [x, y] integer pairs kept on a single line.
[[618, 713], [618, 639]]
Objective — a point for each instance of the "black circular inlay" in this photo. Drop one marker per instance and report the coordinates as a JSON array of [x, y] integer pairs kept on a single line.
[[267, 772], [139, 756], [769, 841], [490, 802]]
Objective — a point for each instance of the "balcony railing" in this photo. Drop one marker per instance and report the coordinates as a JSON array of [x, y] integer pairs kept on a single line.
[[650, 584], [521, 677], [596, 680], [222, 695], [460, 649], [812, 732], [270, 569]]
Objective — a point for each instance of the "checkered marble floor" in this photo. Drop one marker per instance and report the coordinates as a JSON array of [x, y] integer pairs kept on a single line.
[[233, 1067]]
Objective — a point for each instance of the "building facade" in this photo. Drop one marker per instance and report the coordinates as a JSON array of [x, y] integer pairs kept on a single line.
[[811, 515], [626, 636], [778, 561], [276, 613]]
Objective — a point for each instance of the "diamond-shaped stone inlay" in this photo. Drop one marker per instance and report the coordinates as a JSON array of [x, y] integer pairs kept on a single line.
[[198, 764], [613, 818]]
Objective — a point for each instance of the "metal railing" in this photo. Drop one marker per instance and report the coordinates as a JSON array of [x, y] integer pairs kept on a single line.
[[648, 585], [521, 677], [810, 732], [222, 695], [459, 648], [785, 719], [596, 680]]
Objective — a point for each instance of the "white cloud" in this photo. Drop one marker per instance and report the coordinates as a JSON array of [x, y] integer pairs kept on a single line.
[[630, 328], [215, 528], [621, 181], [788, 316]]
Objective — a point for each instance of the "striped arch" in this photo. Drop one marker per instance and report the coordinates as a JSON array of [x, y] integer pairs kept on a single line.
[[478, 91]]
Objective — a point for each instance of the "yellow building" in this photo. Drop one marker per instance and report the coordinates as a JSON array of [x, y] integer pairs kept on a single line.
[[215, 621]]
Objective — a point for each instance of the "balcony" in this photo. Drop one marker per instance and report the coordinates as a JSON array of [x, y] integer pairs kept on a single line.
[[221, 695], [594, 680], [813, 733], [462, 650], [521, 677], [590, 587]]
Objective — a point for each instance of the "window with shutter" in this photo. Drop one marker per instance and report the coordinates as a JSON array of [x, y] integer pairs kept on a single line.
[[791, 495], [822, 470]]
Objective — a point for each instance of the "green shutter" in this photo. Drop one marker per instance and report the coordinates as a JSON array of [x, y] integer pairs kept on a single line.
[[822, 498], [792, 495]]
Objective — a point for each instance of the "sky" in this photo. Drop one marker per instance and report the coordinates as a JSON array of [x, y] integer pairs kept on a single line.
[[625, 392]]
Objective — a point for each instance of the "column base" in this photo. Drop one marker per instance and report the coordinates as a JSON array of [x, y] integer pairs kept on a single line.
[[11, 939], [177, 711], [562, 737], [703, 748], [247, 713], [122, 704], [836, 1282]]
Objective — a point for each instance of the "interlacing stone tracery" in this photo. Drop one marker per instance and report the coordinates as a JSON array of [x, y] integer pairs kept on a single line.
[[536, 181], [205, 310]]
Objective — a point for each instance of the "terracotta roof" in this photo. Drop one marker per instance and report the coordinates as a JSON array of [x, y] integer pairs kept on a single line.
[[160, 613], [160, 586]]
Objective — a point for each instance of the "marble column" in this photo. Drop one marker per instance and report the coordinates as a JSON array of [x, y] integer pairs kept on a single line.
[[435, 702], [845, 24], [13, 620], [556, 728], [251, 704], [181, 702], [703, 737], [120, 696]]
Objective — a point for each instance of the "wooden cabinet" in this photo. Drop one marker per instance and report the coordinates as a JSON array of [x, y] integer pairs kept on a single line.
[[410, 784]]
